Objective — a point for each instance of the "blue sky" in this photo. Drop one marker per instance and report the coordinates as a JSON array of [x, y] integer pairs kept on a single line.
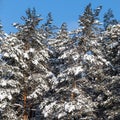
[[62, 10]]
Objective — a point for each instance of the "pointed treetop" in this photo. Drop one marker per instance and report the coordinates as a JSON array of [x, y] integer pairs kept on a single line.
[[31, 20], [1, 26], [109, 19], [88, 20], [49, 18]]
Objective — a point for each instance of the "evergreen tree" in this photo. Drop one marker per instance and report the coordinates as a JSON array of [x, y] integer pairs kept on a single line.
[[24, 72]]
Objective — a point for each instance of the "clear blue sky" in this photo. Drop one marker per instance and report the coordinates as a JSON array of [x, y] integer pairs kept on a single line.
[[62, 10]]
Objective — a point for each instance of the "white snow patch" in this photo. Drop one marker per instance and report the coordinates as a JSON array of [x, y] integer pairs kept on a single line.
[[26, 55], [69, 107], [75, 57], [14, 56], [75, 90], [32, 50], [9, 96], [18, 50], [78, 69], [89, 58], [75, 70], [35, 62], [94, 42], [113, 45], [3, 83], [3, 95], [13, 83], [62, 115], [104, 60], [61, 48], [3, 104], [48, 109], [14, 24], [6, 55], [52, 78], [64, 55], [97, 22]]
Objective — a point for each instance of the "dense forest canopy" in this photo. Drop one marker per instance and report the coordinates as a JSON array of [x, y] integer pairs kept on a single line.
[[50, 73]]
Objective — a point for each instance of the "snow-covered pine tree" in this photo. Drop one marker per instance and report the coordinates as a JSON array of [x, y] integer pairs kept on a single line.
[[90, 48], [92, 58], [24, 70], [110, 81], [10, 76], [8, 87], [100, 74]]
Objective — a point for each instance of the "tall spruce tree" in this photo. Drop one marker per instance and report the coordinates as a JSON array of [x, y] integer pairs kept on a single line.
[[24, 71]]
